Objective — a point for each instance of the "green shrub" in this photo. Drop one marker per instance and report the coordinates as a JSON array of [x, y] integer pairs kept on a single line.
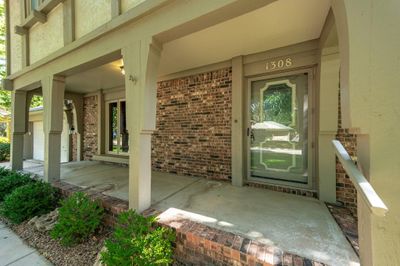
[[4, 172], [4, 140], [12, 181], [4, 152], [136, 241], [78, 218], [30, 200]]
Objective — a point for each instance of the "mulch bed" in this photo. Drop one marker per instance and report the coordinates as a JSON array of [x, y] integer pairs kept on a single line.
[[82, 254]]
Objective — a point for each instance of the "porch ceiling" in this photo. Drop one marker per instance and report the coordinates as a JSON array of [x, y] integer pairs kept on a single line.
[[101, 77], [282, 23]]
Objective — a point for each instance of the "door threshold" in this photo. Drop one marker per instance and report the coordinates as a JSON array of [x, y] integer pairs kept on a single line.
[[121, 159], [306, 192]]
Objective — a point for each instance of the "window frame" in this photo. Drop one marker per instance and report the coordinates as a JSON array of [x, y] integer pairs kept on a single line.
[[28, 7], [107, 128]]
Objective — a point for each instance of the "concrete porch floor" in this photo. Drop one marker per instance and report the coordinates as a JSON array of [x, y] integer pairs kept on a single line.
[[299, 225]]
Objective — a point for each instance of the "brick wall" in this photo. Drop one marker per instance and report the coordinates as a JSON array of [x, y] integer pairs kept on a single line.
[[89, 127], [193, 127], [74, 146], [345, 191]]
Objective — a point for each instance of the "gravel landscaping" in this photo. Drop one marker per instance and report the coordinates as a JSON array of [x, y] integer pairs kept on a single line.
[[82, 254]]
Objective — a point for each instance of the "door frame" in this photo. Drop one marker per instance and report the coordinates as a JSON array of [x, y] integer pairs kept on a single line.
[[311, 139], [107, 127]]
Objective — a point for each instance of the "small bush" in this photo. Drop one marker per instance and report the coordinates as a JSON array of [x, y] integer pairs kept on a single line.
[[4, 140], [4, 172], [12, 181], [78, 218], [4, 152], [135, 241], [30, 200]]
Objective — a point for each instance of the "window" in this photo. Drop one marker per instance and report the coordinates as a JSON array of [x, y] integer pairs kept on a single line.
[[117, 132], [31, 5]]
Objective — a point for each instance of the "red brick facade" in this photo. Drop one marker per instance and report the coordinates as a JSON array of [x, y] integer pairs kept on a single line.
[[193, 130], [74, 146], [346, 193], [90, 124]]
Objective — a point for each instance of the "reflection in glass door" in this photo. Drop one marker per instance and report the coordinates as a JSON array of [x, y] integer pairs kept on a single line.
[[278, 129], [117, 132]]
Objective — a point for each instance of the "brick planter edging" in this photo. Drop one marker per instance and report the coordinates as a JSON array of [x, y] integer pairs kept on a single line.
[[199, 244], [196, 243], [112, 206]]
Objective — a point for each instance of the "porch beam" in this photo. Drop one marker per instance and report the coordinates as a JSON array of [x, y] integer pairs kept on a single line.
[[19, 119], [53, 88], [141, 61]]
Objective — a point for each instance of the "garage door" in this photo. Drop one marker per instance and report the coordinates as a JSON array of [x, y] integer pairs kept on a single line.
[[38, 142]]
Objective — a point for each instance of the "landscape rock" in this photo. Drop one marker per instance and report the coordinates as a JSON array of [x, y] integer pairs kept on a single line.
[[98, 258], [45, 222]]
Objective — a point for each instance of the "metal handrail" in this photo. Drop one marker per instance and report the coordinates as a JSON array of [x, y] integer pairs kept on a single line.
[[364, 188]]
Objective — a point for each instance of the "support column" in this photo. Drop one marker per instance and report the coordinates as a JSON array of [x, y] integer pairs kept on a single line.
[[19, 118], [53, 103], [238, 172], [328, 124], [369, 89], [141, 61]]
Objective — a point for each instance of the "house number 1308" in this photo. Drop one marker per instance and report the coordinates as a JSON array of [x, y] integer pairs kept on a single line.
[[277, 64]]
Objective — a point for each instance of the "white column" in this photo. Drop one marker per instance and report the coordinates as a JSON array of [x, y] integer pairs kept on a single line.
[[19, 124], [53, 102], [141, 60]]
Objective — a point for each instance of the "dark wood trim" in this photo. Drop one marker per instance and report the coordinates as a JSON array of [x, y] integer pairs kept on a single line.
[[115, 8], [69, 21], [8, 47]]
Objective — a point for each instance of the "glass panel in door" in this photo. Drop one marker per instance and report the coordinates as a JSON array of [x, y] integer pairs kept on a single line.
[[278, 128]]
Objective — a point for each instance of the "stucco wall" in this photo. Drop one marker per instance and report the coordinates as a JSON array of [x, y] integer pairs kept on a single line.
[[90, 14], [193, 125], [48, 37], [128, 4], [15, 40]]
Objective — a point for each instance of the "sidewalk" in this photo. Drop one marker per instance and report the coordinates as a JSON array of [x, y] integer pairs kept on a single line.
[[13, 251]]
